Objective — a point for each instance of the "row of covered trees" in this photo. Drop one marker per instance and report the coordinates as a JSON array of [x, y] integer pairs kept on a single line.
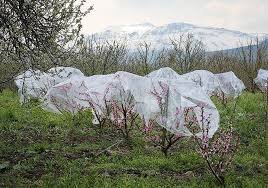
[[45, 34]]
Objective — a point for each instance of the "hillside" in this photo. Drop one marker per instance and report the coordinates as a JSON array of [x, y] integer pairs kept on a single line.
[[159, 36]]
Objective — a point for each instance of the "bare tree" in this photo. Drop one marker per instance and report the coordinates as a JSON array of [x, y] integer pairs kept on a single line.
[[144, 57], [253, 56], [98, 57], [187, 52]]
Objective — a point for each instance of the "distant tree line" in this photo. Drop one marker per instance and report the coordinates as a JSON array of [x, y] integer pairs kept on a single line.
[[186, 54]]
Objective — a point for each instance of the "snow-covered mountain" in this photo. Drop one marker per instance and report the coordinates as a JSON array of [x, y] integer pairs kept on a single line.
[[159, 36]]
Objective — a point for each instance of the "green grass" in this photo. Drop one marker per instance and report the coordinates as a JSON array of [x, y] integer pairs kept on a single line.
[[39, 148]]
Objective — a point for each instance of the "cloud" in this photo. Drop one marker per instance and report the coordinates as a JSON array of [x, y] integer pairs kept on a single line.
[[243, 15], [246, 15]]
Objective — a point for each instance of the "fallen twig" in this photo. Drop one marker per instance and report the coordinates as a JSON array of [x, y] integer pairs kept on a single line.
[[108, 148]]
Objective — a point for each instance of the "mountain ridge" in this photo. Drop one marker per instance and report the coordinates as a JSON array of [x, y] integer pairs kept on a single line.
[[214, 38]]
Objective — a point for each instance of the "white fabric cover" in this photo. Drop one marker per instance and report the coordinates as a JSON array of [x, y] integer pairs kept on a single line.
[[60, 74], [205, 79], [35, 84], [229, 85], [165, 72], [262, 80], [225, 85], [78, 93]]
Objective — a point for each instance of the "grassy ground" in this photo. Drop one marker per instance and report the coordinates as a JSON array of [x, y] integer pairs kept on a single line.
[[38, 148]]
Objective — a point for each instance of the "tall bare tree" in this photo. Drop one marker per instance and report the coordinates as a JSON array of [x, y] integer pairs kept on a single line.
[[253, 56], [187, 52]]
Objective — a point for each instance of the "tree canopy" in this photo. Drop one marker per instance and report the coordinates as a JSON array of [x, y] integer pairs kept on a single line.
[[31, 27]]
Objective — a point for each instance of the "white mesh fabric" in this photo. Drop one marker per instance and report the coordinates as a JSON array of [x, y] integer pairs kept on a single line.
[[262, 80], [229, 85], [101, 89], [35, 84], [60, 74], [205, 79], [165, 72]]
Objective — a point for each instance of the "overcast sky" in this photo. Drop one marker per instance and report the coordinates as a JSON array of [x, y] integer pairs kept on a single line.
[[243, 15]]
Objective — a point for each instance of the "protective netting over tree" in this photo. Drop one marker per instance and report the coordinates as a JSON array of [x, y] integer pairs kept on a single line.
[[225, 85], [229, 85], [35, 83], [262, 80], [60, 74], [180, 106], [179, 103], [165, 72], [205, 79]]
